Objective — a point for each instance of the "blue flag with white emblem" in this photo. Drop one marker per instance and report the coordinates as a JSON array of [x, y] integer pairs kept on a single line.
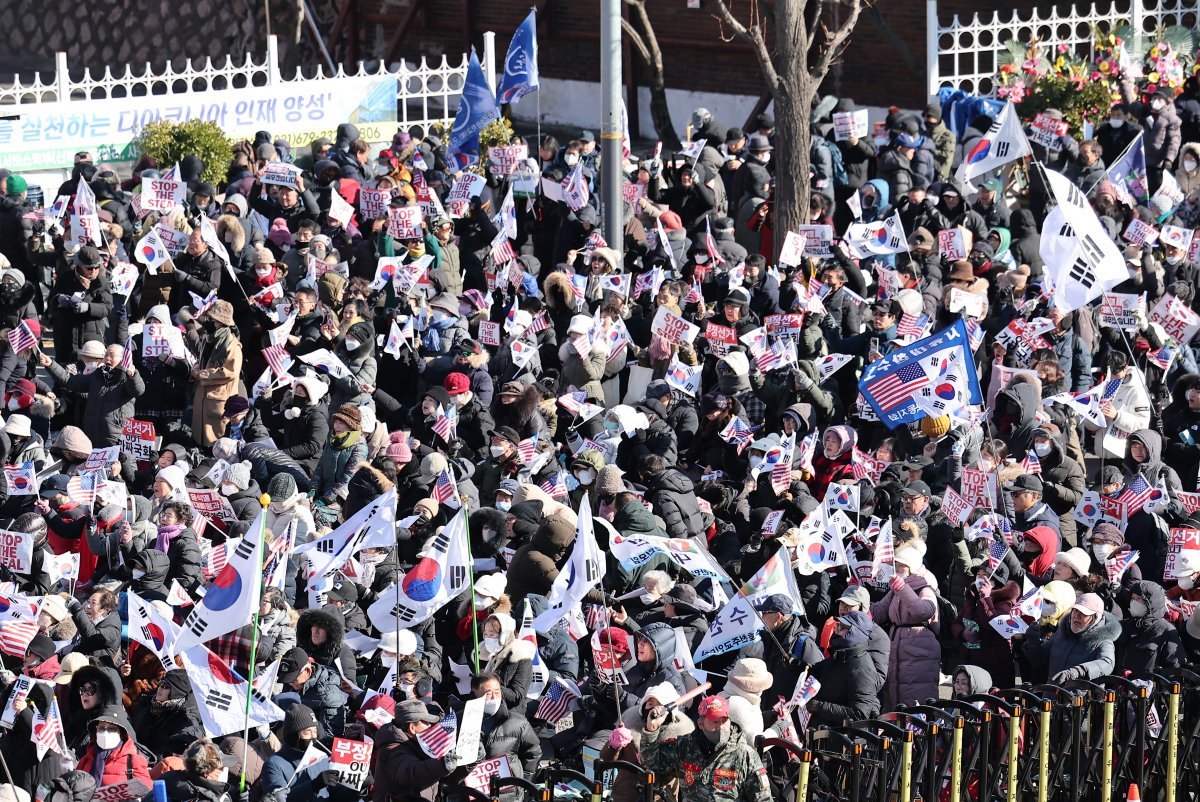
[[476, 108], [520, 65]]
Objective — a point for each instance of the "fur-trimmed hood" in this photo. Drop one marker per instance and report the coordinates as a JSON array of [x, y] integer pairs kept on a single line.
[[228, 224], [519, 411], [560, 293], [677, 725], [331, 622]]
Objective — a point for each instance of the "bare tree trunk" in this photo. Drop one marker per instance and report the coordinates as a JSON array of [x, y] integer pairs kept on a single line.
[[646, 43]]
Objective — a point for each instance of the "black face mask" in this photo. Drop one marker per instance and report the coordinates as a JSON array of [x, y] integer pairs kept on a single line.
[[1026, 557], [303, 247]]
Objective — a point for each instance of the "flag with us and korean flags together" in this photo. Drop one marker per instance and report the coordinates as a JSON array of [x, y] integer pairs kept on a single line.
[[890, 385]]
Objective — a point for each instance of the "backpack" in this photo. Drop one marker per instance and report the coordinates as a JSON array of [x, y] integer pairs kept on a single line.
[[840, 178]]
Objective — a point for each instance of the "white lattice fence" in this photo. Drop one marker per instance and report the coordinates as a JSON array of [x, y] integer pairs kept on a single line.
[[426, 94], [964, 53]]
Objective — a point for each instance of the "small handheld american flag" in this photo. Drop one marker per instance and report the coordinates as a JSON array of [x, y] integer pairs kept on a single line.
[[556, 702], [556, 486], [1109, 389], [445, 491], [439, 739], [127, 358], [995, 555], [16, 635], [1031, 464], [912, 325], [737, 432], [447, 423], [710, 244], [539, 324], [21, 338], [527, 448]]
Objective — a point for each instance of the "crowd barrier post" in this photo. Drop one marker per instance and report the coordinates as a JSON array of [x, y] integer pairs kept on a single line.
[[1172, 739], [839, 764], [1043, 792], [602, 766], [805, 756], [1014, 736], [906, 757], [553, 775], [929, 721], [1106, 746]]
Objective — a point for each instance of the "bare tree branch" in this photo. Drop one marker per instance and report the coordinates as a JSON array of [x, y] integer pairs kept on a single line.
[[754, 35], [835, 41], [655, 58], [635, 39]]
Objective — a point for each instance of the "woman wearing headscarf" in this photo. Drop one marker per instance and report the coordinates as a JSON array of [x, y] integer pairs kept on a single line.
[[833, 460]]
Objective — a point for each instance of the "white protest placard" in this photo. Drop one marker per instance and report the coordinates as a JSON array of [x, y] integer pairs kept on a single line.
[[351, 760], [373, 203], [469, 730], [818, 240], [339, 209], [671, 328], [481, 775], [793, 249], [979, 487], [174, 241], [211, 504], [632, 192], [489, 333], [954, 243], [162, 194], [128, 790], [968, 303], [1182, 542], [16, 551], [1176, 318], [102, 458], [504, 159], [19, 693], [847, 124], [1140, 233], [1046, 131], [280, 173], [466, 187], [1119, 310], [404, 222], [720, 338]]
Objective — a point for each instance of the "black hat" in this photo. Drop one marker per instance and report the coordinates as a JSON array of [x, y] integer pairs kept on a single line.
[[41, 646], [1111, 475], [775, 603], [934, 110], [917, 463], [917, 488], [343, 590], [439, 394], [297, 719], [683, 598], [177, 680], [413, 710], [657, 389], [54, 486], [507, 433], [292, 664], [1025, 482]]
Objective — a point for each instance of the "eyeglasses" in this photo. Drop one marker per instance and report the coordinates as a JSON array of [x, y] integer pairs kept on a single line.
[[89, 689]]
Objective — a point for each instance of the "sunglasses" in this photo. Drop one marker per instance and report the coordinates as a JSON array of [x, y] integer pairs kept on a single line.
[[89, 689]]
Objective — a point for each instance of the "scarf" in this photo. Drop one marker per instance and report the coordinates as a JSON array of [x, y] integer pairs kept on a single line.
[[165, 535], [99, 763], [345, 440]]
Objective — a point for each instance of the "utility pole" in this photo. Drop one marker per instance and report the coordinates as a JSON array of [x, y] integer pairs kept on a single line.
[[611, 125]]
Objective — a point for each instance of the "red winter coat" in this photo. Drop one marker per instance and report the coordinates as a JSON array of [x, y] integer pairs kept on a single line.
[[124, 763]]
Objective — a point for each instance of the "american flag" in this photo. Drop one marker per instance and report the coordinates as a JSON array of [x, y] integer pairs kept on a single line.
[[597, 617], [215, 559], [527, 448], [440, 738], [539, 324], [48, 732], [995, 555], [1031, 464], [21, 338], [897, 388], [127, 359], [1109, 389], [1163, 357], [502, 251], [885, 548], [595, 240], [445, 491], [974, 334], [695, 294], [446, 424], [737, 432], [1116, 565], [279, 359], [643, 283], [16, 635], [203, 304], [1136, 494], [864, 466], [83, 486], [781, 471], [912, 325], [710, 244], [556, 702], [556, 486]]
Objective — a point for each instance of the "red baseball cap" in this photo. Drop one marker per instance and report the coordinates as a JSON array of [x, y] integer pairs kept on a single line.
[[714, 708]]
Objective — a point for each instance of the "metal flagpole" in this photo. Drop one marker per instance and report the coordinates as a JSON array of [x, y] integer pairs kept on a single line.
[[264, 500], [471, 569], [611, 124]]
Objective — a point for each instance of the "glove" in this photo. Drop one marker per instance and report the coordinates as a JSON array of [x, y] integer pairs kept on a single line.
[[620, 738], [803, 380], [450, 760], [63, 301], [1067, 675], [82, 307], [74, 605]]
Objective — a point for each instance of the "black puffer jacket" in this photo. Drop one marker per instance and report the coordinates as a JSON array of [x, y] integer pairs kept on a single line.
[[674, 499], [1065, 484], [75, 786], [109, 400], [186, 785], [403, 772], [849, 682], [73, 328], [1149, 643]]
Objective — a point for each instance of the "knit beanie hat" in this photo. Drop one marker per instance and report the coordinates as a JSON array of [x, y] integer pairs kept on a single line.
[[282, 486], [239, 474], [398, 450], [934, 428], [349, 415]]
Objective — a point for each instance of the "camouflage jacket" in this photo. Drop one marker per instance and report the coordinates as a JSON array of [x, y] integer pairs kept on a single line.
[[707, 773]]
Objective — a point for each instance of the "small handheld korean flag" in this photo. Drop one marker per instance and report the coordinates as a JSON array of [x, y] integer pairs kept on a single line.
[[583, 570]]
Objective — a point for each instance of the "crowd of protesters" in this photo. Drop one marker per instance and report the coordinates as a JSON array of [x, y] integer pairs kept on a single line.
[[562, 395]]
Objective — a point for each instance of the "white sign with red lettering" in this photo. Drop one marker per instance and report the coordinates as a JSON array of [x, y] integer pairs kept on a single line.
[[671, 328], [351, 760], [481, 775], [1047, 131], [373, 203], [1140, 233], [1182, 542], [1121, 310], [404, 222], [954, 243], [1176, 318], [162, 194], [818, 240], [848, 124]]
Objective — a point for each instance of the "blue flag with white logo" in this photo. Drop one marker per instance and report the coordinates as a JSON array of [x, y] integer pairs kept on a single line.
[[520, 65], [1128, 174], [476, 108]]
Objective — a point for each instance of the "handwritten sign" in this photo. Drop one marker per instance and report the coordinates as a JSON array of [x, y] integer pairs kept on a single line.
[[954, 243], [671, 328], [16, 551]]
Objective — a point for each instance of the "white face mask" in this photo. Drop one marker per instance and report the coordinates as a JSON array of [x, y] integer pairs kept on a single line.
[[228, 489], [387, 660], [496, 451], [491, 645], [756, 462], [764, 157], [1157, 104], [1103, 550], [503, 506], [987, 465], [406, 689], [481, 602], [138, 573], [1138, 609], [1174, 260], [262, 271], [571, 159], [223, 776], [1041, 449], [1190, 165], [701, 258], [108, 740], [14, 404], [490, 706], [352, 344], [1117, 123], [586, 477]]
